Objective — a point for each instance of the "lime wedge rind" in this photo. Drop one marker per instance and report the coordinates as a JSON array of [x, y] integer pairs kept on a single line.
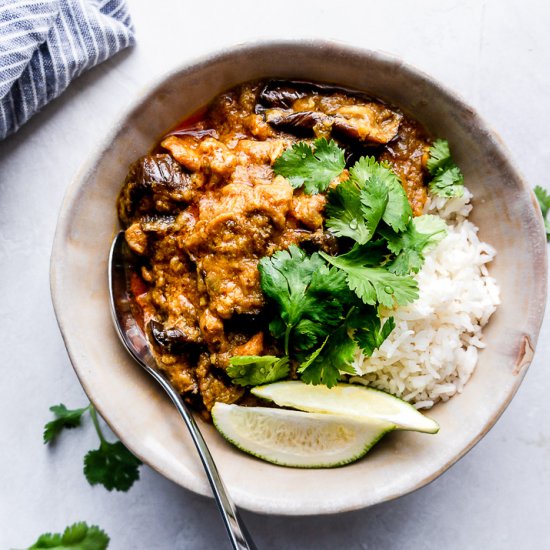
[[295, 438], [349, 400]]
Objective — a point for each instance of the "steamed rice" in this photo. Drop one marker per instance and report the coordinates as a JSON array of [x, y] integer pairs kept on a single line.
[[433, 350]]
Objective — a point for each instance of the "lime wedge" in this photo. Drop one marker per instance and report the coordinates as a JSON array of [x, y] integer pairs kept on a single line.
[[349, 400], [298, 439]]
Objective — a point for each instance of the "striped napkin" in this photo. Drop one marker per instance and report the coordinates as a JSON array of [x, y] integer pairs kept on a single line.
[[45, 44]]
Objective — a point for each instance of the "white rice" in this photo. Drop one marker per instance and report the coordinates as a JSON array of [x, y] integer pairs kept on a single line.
[[432, 352]]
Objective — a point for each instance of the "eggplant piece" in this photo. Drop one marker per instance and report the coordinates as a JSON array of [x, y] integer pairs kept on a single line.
[[283, 93], [279, 95], [195, 132], [300, 123], [313, 241], [162, 169], [156, 223], [364, 120], [369, 122], [154, 183], [247, 323], [357, 129], [173, 340], [354, 150]]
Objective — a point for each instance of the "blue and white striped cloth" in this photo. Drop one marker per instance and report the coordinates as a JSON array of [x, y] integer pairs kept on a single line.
[[44, 44]]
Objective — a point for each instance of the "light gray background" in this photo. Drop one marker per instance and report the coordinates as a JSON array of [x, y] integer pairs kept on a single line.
[[494, 53]]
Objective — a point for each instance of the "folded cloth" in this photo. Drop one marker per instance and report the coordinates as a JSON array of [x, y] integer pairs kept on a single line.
[[45, 44]]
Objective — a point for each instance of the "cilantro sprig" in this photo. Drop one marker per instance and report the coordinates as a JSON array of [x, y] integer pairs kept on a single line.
[[422, 234], [314, 168], [543, 199], [334, 356], [308, 294], [375, 285], [78, 536], [447, 179], [254, 370], [328, 305], [397, 211], [64, 419], [111, 464]]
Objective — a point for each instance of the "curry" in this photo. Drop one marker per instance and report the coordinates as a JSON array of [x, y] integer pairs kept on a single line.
[[205, 207]]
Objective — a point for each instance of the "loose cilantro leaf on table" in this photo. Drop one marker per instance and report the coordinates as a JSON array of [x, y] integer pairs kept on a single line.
[[64, 418], [311, 167], [253, 370], [543, 199], [112, 464], [79, 536], [448, 180]]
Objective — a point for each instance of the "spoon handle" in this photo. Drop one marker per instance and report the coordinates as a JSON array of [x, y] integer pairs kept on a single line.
[[238, 534], [133, 339]]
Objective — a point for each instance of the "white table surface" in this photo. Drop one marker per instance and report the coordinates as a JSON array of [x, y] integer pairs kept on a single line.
[[495, 53]]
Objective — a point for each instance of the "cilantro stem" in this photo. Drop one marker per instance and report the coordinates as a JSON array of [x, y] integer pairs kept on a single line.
[[287, 337], [93, 414]]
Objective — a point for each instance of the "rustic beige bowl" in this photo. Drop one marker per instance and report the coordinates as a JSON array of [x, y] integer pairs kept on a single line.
[[135, 407]]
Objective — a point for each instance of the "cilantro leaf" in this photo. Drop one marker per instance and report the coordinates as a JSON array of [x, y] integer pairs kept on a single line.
[[314, 168], [336, 353], [304, 288], [64, 418], [308, 333], [375, 284], [439, 156], [398, 211], [448, 180], [112, 465], [253, 370], [75, 537], [374, 201], [371, 254], [345, 214], [371, 333], [422, 234], [543, 199], [355, 209], [448, 183]]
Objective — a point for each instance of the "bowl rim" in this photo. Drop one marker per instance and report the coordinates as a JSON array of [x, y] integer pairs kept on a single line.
[[141, 97]]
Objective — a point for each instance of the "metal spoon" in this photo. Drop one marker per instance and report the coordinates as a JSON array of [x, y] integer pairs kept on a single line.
[[135, 342]]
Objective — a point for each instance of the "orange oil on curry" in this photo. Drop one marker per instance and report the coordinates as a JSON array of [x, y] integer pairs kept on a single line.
[[187, 123]]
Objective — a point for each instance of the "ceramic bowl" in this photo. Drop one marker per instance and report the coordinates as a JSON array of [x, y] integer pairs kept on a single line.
[[137, 410]]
